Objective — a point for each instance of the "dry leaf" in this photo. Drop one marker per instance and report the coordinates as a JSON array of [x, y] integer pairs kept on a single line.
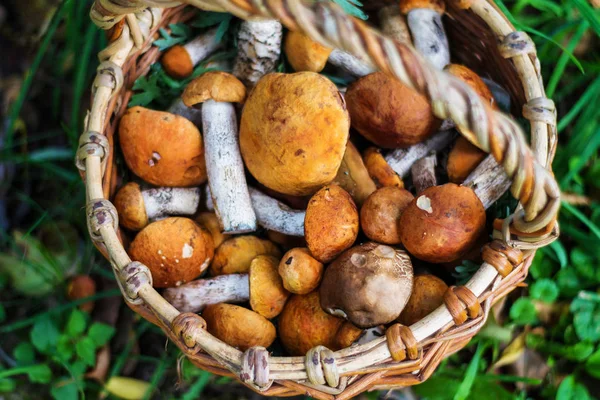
[[126, 388], [512, 352]]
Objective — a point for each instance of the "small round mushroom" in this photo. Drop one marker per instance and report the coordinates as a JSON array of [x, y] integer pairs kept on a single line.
[[424, 19], [217, 91], [442, 223], [136, 207], [331, 224], [238, 326], [235, 255], [379, 170], [388, 113], [463, 159], [427, 295], [369, 285], [161, 148], [175, 249], [353, 176], [179, 61], [267, 294], [300, 272], [80, 287], [380, 214], [293, 132], [304, 325]]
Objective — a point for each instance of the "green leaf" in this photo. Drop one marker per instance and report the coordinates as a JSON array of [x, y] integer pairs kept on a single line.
[[100, 333], [148, 90], [65, 348], [586, 310], [544, 290], [209, 18], [7, 385], [569, 389], [24, 353], [44, 334], [40, 373], [561, 253], [592, 365], [180, 33], [465, 387], [438, 387], [223, 28], [523, 312], [76, 323], [2, 313], [86, 351], [352, 7], [64, 391], [568, 281]]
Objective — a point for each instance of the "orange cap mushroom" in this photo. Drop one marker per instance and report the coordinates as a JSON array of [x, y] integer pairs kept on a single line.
[[235, 255], [427, 295], [379, 170], [380, 214], [267, 294], [179, 61], [300, 272], [304, 54]]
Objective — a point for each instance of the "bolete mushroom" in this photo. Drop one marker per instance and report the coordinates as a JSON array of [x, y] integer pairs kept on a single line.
[[368, 285], [235, 255], [162, 148], [210, 221], [389, 113], [379, 170], [427, 295], [276, 216], [353, 176], [136, 207], [300, 272], [380, 214], [293, 132], [238, 327], [80, 287], [393, 23], [217, 91], [331, 224], [175, 249], [179, 61], [304, 325]]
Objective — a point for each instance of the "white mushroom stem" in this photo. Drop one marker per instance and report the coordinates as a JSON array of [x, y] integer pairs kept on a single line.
[[423, 173], [371, 334], [164, 201], [259, 47], [276, 216], [429, 36], [488, 181], [192, 114], [202, 46], [393, 24], [401, 160], [195, 295], [350, 64], [225, 168]]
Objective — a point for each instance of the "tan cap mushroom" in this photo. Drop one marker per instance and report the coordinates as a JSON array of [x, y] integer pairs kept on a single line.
[[389, 113], [473, 80], [293, 132], [210, 221], [267, 294], [217, 86], [79, 287], [300, 272], [162, 148], [304, 325], [353, 176], [179, 61], [380, 214], [238, 326], [235, 255], [304, 54], [379, 170], [442, 223], [331, 224], [176, 250], [463, 159], [427, 295], [368, 284]]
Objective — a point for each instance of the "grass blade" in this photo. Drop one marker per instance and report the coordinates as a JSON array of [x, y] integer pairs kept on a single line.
[[561, 65], [465, 387]]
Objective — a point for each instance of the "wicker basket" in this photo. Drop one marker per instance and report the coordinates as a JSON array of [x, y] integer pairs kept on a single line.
[[481, 37]]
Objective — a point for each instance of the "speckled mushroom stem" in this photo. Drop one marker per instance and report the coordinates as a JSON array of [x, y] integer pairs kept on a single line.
[[259, 47], [276, 216], [165, 201], [350, 63], [225, 168], [195, 295], [202, 46], [401, 160], [488, 181], [429, 36], [423, 173]]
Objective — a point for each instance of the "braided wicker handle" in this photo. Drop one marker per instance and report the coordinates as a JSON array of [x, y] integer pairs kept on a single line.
[[533, 183]]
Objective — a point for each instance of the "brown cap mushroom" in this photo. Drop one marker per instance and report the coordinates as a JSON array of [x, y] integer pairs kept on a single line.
[[238, 326], [331, 224], [473, 80], [389, 113], [427, 295], [463, 159], [179, 61], [218, 86], [368, 284], [176, 250], [304, 325], [293, 132], [79, 287], [129, 203], [380, 214], [300, 272], [235, 255], [162, 148], [211, 223], [379, 170], [267, 294], [442, 223], [304, 54], [353, 176]]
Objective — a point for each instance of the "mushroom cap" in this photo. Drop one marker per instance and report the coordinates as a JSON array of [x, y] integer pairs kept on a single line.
[[235, 255], [293, 132], [380, 214], [79, 287], [463, 159], [238, 327], [214, 85], [407, 5], [379, 170], [130, 206], [300, 272], [427, 295], [304, 54], [473, 80], [368, 284], [267, 295], [303, 325], [331, 223], [210, 221], [162, 148], [389, 113], [353, 176], [442, 223], [176, 250], [177, 62]]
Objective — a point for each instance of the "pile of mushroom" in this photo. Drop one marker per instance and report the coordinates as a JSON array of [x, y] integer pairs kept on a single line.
[[279, 208]]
